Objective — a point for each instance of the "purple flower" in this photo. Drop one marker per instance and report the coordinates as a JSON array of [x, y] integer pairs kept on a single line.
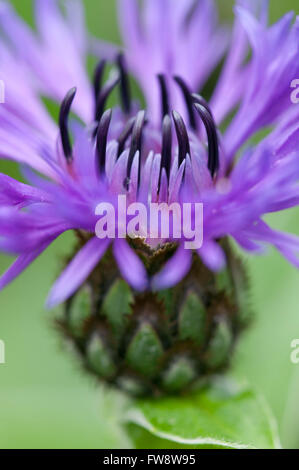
[[176, 151]]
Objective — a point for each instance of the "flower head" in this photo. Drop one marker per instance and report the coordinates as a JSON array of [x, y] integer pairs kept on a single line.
[[176, 150]]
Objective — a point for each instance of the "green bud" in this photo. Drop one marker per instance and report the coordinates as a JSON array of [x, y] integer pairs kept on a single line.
[[240, 285], [117, 305], [131, 386], [169, 299], [145, 351], [192, 321], [158, 343], [220, 344], [99, 358], [179, 375], [224, 281], [79, 312]]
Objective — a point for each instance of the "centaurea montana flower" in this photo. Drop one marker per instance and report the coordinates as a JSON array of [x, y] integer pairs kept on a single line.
[[180, 318]]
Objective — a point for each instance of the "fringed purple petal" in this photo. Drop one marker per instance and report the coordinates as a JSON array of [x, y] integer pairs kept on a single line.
[[20, 264], [119, 174], [130, 265], [287, 245], [212, 255], [155, 178], [175, 189], [77, 271], [275, 53], [144, 190], [225, 96], [146, 31], [18, 194], [174, 270], [55, 44], [163, 193], [133, 185], [103, 49]]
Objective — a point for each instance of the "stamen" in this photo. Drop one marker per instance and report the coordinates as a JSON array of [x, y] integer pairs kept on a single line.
[[136, 143], [182, 136], [125, 135], [106, 90], [207, 119], [63, 124], [188, 99], [98, 78], [196, 98], [125, 93], [164, 95], [166, 146], [101, 143]]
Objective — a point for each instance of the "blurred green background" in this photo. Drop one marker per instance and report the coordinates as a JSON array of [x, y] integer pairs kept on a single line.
[[45, 400]]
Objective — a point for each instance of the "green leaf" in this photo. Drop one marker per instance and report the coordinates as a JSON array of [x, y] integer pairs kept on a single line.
[[220, 415]]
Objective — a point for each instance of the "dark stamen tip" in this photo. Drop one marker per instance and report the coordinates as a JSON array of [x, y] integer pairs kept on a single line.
[[166, 145], [211, 129], [182, 136], [125, 135], [188, 99], [196, 98], [63, 123], [126, 183], [98, 78], [106, 90], [136, 141], [125, 93], [101, 143], [137, 132], [164, 95], [167, 122]]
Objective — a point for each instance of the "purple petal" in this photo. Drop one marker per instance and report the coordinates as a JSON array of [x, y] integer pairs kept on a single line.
[[103, 49], [15, 193], [287, 245], [77, 271], [155, 177], [133, 185], [146, 179], [55, 45], [146, 31], [174, 270], [212, 255], [20, 264], [274, 57], [225, 96], [175, 189], [119, 173], [163, 194], [130, 265]]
